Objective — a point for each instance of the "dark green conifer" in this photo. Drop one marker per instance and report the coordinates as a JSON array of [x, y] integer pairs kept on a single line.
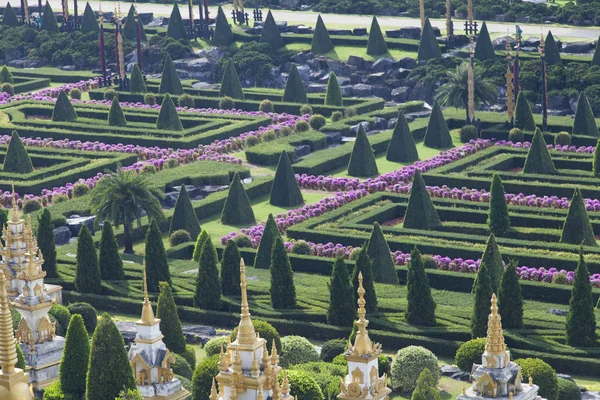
[[283, 291], [207, 295], [87, 273], [74, 363], [510, 298], [420, 212], [6, 76], [285, 191], [362, 160], [17, 159], [157, 266], [265, 247], [484, 49], [170, 82], [428, 45], [402, 147], [184, 216], [294, 91], [596, 161], [333, 96], [581, 320], [223, 36], [498, 219], [130, 27], [46, 243], [271, 34], [10, 17], [176, 28], [170, 325], [523, 114], [63, 109], [230, 270], [237, 209], [137, 84], [437, 135], [111, 265], [168, 119], [341, 310], [552, 53], [539, 160], [577, 228], [89, 22], [115, 114], [230, 84], [596, 58], [321, 42], [492, 258], [202, 237], [364, 266], [49, 20], [481, 307], [376, 45], [378, 251], [584, 122], [421, 306]]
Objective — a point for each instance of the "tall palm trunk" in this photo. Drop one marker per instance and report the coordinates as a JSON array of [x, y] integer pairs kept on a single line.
[[128, 238]]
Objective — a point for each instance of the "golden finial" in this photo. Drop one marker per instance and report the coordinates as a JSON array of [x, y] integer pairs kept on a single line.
[[147, 312], [494, 342], [362, 344], [246, 333], [464, 391], [8, 351], [234, 395], [259, 393], [223, 364], [237, 363], [15, 212], [255, 369], [213, 391], [265, 356], [285, 385], [276, 390], [530, 380], [274, 356], [510, 396]]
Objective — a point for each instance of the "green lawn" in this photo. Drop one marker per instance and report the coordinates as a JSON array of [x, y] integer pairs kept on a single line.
[[342, 53]]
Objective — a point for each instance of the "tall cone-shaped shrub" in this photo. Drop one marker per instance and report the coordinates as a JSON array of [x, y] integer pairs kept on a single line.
[[184, 216], [552, 53], [271, 34], [362, 160], [283, 291], [157, 266], [230, 84], [74, 363], [484, 49], [341, 310], [285, 191], [46, 243], [294, 91], [168, 119], [49, 20], [176, 28], [89, 22], [492, 258], [321, 42], [333, 95], [581, 320], [577, 228], [130, 27], [523, 114], [596, 162], [363, 265], [111, 265], [584, 122], [87, 272], [170, 325], [498, 218], [237, 209], [481, 307], [63, 109], [115, 114], [137, 84], [169, 82], [208, 287], [437, 135], [379, 253], [223, 36], [17, 159], [420, 212], [596, 57], [428, 45], [265, 247], [376, 45], [421, 307], [230, 270], [6, 76], [402, 147], [202, 237], [9, 18], [510, 299], [539, 160]]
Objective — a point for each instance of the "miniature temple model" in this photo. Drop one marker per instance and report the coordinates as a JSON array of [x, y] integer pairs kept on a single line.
[[363, 380]]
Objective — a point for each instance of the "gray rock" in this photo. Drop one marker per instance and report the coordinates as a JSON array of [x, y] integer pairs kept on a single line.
[[304, 30], [376, 78], [75, 222], [532, 42], [346, 91], [305, 7], [380, 123], [362, 90], [403, 73], [382, 91], [341, 32], [578, 47], [359, 31], [422, 91], [500, 43], [205, 85], [302, 151], [304, 71], [392, 123], [365, 124], [169, 200], [383, 64], [556, 311], [526, 19], [199, 333], [217, 53], [336, 66], [62, 235], [590, 396], [356, 61], [565, 376], [146, 17], [407, 63], [316, 88], [461, 40], [300, 58], [400, 94], [333, 137], [158, 21], [448, 370], [410, 32], [394, 34]]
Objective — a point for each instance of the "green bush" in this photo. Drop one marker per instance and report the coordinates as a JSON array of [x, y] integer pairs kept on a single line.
[[265, 247], [420, 212], [266, 106], [362, 162], [516, 135], [111, 95], [333, 348], [376, 44], [178, 237], [208, 287], [74, 363], [294, 91], [408, 364], [285, 131], [385, 364], [230, 84], [568, 390], [270, 33], [63, 109], [539, 160], [150, 99], [402, 147], [482, 288], [321, 42], [421, 306], [562, 138], [176, 28], [523, 114], [168, 118], [223, 36], [6, 76], [285, 191], [577, 228], [109, 260], [203, 377], [31, 206], [324, 375], [317, 121], [189, 355], [7, 88], [184, 216], [251, 141], [9, 18], [498, 218], [469, 353], [170, 325], [297, 350], [282, 289], [428, 262], [237, 209], [379, 253], [87, 312], [484, 49], [80, 189], [552, 53], [269, 136], [46, 243], [230, 270], [267, 332], [510, 298], [542, 375], [467, 133], [186, 100], [301, 247], [62, 315], [428, 45], [17, 159], [155, 258], [340, 360], [584, 122], [302, 385], [301, 126], [306, 109], [333, 95], [137, 84], [336, 116], [49, 20], [148, 169], [581, 320], [426, 387], [437, 135], [213, 346], [170, 82], [182, 367], [243, 241], [226, 103], [54, 392], [75, 93], [561, 279], [341, 310]]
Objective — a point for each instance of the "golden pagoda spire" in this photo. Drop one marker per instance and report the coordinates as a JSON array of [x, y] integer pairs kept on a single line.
[[494, 342], [234, 395], [15, 212], [362, 344], [237, 363], [147, 312], [276, 390], [223, 364], [259, 393], [255, 369], [246, 333], [274, 356], [285, 385], [213, 391], [8, 351]]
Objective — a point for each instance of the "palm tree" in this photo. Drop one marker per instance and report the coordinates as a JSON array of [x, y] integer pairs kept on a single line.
[[455, 92], [121, 197]]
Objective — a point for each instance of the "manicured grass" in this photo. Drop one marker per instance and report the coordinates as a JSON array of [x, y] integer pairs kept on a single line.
[[342, 53]]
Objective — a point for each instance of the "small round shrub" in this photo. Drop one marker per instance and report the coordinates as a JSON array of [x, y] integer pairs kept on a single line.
[[266, 106], [80, 189], [317, 121], [189, 355], [301, 126], [186, 100], [333, 390], [301, 247], [87, 312], [296, 350], [62, 315], [302, 385], [30, 206], [226, 103], [269, 136], [516, 135], [266, 331], [243, 241], [203, 377], [178, 237], [385, 364], [333, 348], [111, 95], [542, 375], [213, 346], [354, 253], [350, 112], [149, 99], [252, 141], [323, 373], [75, 93], [562, 139], [336, 116], [59, 198], [7, 88], [182, 367], [467, 133], [408, 365], [148, 169], [172, 163], [306, 109], [285, 131], [469, 353], [429, 262], [340, 360], [561, 279], [54, 392], [568, 390]]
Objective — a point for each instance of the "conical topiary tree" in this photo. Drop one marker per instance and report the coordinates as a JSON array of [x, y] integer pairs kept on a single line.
[[6, 76], [157, 266], [137, 84], [341, 310], [421, 306], [169, 82], [168, 118], [333, 95], [437, 135], [596, 161], [584, 122], [184, 216], [428, 45], [115, 114], [74, 362], [202, 237], [285, 191], [130, 27], [321, 42], [498, 218], [552, 53], [46, 243], [265, 247], [230, 270], [420, 212], [362, 160], [237, 209], [539, 160], [581, 320], [170, 325], [111, 265], [484, 49], [510, 298], [294, 91], [9, 18], [596, 57], [365, 267], [481, 307], [376, 45], [176, 28], [523, 114], [577, 228], [426, 388], [207, 295], [283, 291], [87, 272], [49, 20], [492, 258], [223, 36], [230, 84], [17, 159], [379, 253], [63, 109], [402, 147], [89, 22], [271, 34]]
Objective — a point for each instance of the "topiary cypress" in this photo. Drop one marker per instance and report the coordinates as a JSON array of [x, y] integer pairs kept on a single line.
[[552, 53], [378, 250], [402, 147], [115, 114], [581, 321], [17, 159], [130, 27], [420, 211], [265, 247], [362, 160], [109, 370], [237, 209], [203, 377], [428, 45], [87, 273], [283, 291], [363, 265], [230, 84], [9, 18], [484, 49], [184, 215], [523, 114], [170, 82], [492, 258], [137, 84], [176, 28], [596, 161], [376, 45], [421, 306], [168, 118], [321, 42], [223, 36], [49, 20], [203, 237], [584, 122], [333, 96], [89, 22], [6, 76], [270, 33], [596, 57], [46, 243], [63, 109], [481, 308], [510, 298], [341, 310], [111, 265], [207, 295], [230, 270], [294, 91], [539, 160], [170, 325], [426, 388], [157, 266], [285, 191], [577, 228], [437, 135], [74, 362], [498, 219]]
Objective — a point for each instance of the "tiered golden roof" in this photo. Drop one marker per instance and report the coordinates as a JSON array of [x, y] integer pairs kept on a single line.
[[8, 350], [494, 342], [246, 333]]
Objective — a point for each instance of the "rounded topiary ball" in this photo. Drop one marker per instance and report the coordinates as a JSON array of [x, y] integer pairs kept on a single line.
[[302, 385], [186, 101], [266, 331], [80, 189], [568, 390], [561, 279], [148, 169], [429, 262], [301, 126], [7, 88], [181, 367], [266, 106], [62, 315], [467, 133], [285, 131], [149, 99], [317, 121], [469, 353], [516, 135], [243, 241], [203, 377], [252, 141], [354, 253], [340, 360], [172, 163], [213, 346], [296, 350], [87, 312], [542, 375], [178, 237], [30, 206], [111, 95], [408, 365], [301, 247], [269, 136], [333, 348], [306, 109], [562, 139], [75, 93], [336, 116], [226, 103]]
